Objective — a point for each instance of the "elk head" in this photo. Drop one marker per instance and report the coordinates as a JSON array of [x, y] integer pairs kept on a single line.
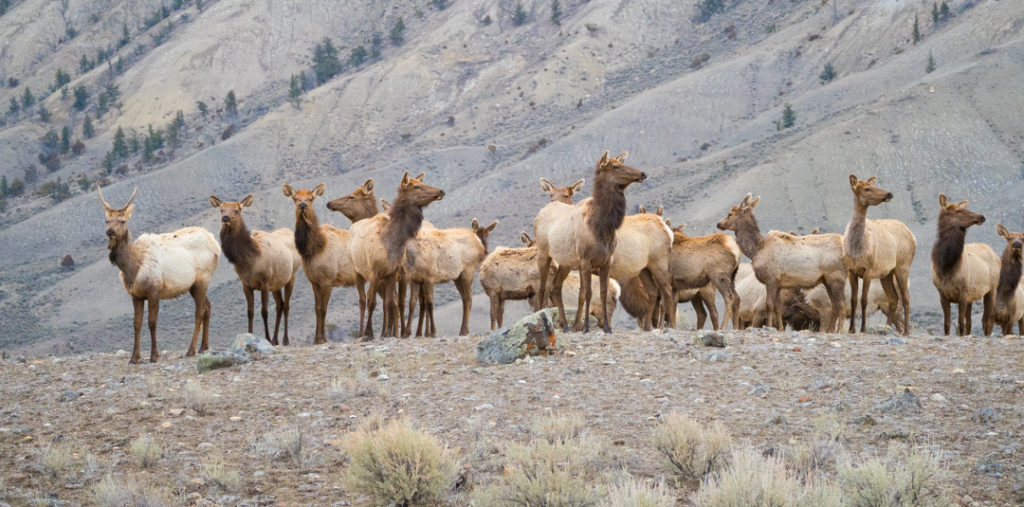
[[615, 170], [414, 191], [561, 194], [1014, 240], [360, 204], [483, 232], [957, 215], [744, 211], [230, 212], [303, 198], [117, 219], [865, 193]]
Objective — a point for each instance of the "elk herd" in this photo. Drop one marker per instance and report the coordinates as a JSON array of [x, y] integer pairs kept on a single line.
[[589, 252]]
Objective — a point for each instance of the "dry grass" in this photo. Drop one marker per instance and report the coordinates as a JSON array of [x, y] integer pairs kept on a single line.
[[145, 451], [903, 478], [55, 460], [358, 385], [225, 478], [288, 443], [111, 492], [559, 428], [748, 481], [197, 398], [692, 451], [820, 455], [636, 493], [395, 464]]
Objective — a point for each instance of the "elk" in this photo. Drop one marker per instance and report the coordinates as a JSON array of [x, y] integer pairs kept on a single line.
[[697, 261], [561, 194], [583, 236], [264, 261], [639, 299], [963, 273], [378, 247], [1009, 308], [442, 255], [782, 260], [571, 289], [161, 266], [324, 250], [878, 300], [882, 249], [509, 274]]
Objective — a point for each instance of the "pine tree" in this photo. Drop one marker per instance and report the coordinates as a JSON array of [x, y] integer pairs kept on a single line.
[[935, 12], [108, 162], [126, 36], [84, 65], [398, 33], [519, 15], [3, 186], [294, 91], [27, 99], [930, 66], [788, 117], [358, 56], [917, 31], [14, 107], [556, 12], [44, 114], [61, 79], [120, 147], [944, 11], [87, 130], [81, 97], [230, 104], [65, 140], [203, 108], [828, 74], [325, 61]]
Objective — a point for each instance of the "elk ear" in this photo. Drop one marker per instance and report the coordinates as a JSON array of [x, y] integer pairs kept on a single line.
[[604, 158], [491, 227], [546, 185], [385, 205], [746, 200], [128, 211], [1002, 230], [578, 186], [319, 190], [622, 156], [525, 238], [815, 231], [660, 211], [872, 180], [246, 201], [474, 225], [214, 201], [288, 190], [368, 186], [962, 204], [853, 181], [668, 222], [405, 179], [420, 176], [943, 200], [641, 209], [754, 202]]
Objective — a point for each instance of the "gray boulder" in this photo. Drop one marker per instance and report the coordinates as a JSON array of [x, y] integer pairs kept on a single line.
[[536, 333], [248, 347]]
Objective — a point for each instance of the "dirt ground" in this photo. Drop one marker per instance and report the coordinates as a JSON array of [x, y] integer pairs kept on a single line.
[[766, 387]]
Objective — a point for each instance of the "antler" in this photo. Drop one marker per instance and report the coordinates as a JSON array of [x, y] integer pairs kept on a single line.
[[132, 198], [102, 200]]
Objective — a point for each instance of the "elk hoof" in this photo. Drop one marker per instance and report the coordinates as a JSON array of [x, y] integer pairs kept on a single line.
[[191, 352], [135, 360], [153, 359], [607, 330]]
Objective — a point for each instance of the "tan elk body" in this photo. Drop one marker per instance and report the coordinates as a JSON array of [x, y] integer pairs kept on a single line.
[[1009, 309]]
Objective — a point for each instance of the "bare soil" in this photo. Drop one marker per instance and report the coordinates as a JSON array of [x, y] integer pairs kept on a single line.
[[766, 387]]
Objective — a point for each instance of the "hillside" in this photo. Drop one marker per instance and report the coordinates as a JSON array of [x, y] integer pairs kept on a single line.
[[485, 107]]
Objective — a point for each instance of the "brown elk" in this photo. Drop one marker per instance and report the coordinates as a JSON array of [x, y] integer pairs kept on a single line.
[[561, 194], [582, 236], [509, 274], [1010, 291], [325, 254], [640, 300], [264, 261], [161, 266], [643, 246], [378, 247], [782, 260], [882, 249], [441, 255], [697, 261], [963, 273]]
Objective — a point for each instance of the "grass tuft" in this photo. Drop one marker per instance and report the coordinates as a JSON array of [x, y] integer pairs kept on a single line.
[[903, 477], [635, 493], [111, 492], [55, 460], [691, 450], [145, 451], [196, 398], [559, 428], [288, 443], [225, 478]]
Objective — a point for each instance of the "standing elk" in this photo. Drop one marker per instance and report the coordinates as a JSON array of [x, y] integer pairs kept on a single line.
[[640, 300], [264, 261], [509, 274], [1010, 291], [697, 261], [561, 194], [782, 260], [378, 247], [161, 266], [582, 236], [325, 254], [643, 245], [963, 273], [882, 249]]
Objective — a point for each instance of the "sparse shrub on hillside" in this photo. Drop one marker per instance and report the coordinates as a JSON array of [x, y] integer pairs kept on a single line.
[[163, 34], [27, 99], [77, 148], [17, 188], [230, 103], [111, 492], [126, 36], [295, 91], [145, 451], [708, 8], [120, 145], [61, 79], [358, 56], [397, 464], [289, 442], [4, 187], [376, 43], [202, 108], [84, 183], [756, 481], [176, 129], [916, 32], [903, 478], [57, 190], [699, 60], [636, 493], [55, 460], [591, 28], [4, 5], [222, 476], [13, 108], [197, 397], [519, 14], [556, 12], [44, 114], [360, 383], [65, 140], [87, 129], [107, 98], [828, 74], [81, 97], [559, 428], [691, 450], [930, 66], [439, 4], [325, 61], [397, 34], [545, 473], [85, 65]]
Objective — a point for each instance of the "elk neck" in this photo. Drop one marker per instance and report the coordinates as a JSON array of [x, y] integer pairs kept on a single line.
[[1009, 274], [309, 239], [404, 220], [949, 245], [125, 256], [748, 237], [854, 239], [237, 243], [608, 209]]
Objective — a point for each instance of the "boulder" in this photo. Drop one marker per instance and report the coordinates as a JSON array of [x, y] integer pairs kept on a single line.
[[534, 334], [248, 347]]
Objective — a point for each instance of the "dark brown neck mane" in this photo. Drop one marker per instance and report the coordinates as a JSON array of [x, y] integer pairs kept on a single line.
[[237, 243], [309, 239], [1009, 274], [748, 237], [608, 210], [123, 256], [949, 245], [405, 218]]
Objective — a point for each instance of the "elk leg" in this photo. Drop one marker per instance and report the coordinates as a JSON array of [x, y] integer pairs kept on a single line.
[[264, 297], [893, 301], [501, 310], [325, 299], [698, 308], [207, 307], [464, 283], [400, 295], [709, 305], [544, 264], [278, 311], [494, 310], [556, 295], [771, 304], [140, 307], [853, 302], [833, 319], [154, 352], [944, 302], [287, 307], [966, 317], [663, 281], [428, 301], [585, 293], [199, 296], [371, 305], [416, 299], [988, 313], [602, 276], [361, 289], [903, 284], [249, 305], [727, 289], [864, 305]]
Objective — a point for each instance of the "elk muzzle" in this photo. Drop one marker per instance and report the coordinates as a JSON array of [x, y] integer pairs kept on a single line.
[[302, 206], [888, 197], [110, 233], [643, 176], [225, 219]]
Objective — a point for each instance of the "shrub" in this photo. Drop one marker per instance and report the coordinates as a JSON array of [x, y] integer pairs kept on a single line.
[[902, 478], [325, 61], [755, 481], [828, 74], [286, 443], [556, 12], [360, 384], [56, 460], [145, 451], [708, 8], [635, 493], [358, 56], [591, 28], [699, 60], [397, 464], [930, 66], [223, 477], [397, 34], [559, 428], [111, 492], [519, 14], [197, 398], [691, 450]]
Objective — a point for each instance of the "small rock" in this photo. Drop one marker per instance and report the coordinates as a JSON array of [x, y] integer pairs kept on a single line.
[[958, 370], [985, 415], [485, 406], [383, 376], [249, 347], [759, 389], [938, 398], [718, 355], [905, 402], [895, 341], [608, 362], [67, 396], [193, 498], [533, 334], [865, 420], [259, 473], [989, 466], [121, 353], [205, 446], [711, 339], [880, 329]]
